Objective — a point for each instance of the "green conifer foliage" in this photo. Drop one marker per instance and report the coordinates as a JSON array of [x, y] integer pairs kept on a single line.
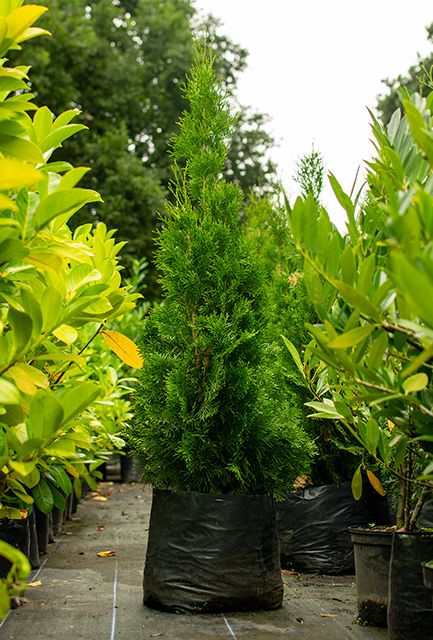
[[205, 417]]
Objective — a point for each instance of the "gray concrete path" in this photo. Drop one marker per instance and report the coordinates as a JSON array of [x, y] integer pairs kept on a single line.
[[83, 596]]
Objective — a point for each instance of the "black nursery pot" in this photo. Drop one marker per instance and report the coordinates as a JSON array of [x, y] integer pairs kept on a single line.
[[372, 551], [314, 523], [212, 553], [410, 614], [17, 534]]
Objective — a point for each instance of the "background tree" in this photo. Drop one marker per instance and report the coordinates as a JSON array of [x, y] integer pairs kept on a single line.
[[309, 174], [417, 79], [122, 63]]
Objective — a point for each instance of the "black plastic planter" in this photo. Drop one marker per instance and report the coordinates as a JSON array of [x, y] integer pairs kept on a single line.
[[211, 553], [42, 530], [57, 521], [410, 614], [313, 526], [372, 550], [17, 534], [34, 547]]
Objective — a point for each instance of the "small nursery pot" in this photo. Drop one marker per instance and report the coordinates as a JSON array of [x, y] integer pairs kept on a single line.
[[17, 534], [410, 613], [372, 550], [212, 553]]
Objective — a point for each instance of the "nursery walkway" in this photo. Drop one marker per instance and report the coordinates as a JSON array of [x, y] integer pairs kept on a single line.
[[78, 595]]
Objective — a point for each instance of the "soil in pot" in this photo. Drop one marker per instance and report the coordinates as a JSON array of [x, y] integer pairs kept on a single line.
[[372, 551], [410, 614], [212, 553]]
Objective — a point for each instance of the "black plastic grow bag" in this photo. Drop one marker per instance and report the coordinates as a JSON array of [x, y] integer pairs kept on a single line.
[[17, 534], [314, 523], [410, 614], [210, 553]]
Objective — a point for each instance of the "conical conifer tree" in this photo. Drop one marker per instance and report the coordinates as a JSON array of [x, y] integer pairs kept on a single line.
[[205, 420]]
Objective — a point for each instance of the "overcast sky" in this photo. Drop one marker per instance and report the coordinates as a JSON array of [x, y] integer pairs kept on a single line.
[[316, 65]]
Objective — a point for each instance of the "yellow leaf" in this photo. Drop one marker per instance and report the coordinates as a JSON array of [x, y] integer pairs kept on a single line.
[[73, 471], [7, 203], [124, 348], [376, 483], [32, 32], [107, 554], [22, 18], [15, 174], [100, 498], [35, 584], [66, 334], [27, 378], [45, 260]]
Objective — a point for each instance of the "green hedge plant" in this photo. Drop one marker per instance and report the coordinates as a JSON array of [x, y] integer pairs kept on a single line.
[[205, 416], [54, 285], [371, 358]]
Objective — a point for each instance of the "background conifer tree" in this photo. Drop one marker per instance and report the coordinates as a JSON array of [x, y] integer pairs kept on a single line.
[[205, 416]]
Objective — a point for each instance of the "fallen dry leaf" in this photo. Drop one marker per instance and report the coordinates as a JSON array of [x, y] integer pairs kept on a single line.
[[289, 573], [328, 615], [100, 498], [106, 554], [35, 584]]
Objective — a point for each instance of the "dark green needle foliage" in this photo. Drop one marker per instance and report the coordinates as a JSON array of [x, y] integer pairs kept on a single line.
[[205, 418]]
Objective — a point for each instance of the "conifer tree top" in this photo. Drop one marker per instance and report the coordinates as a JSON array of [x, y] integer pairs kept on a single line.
[[205, 417], [205, 128]]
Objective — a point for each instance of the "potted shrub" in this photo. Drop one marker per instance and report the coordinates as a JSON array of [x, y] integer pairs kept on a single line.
[[313, 519], [211, 441], [374, 343]]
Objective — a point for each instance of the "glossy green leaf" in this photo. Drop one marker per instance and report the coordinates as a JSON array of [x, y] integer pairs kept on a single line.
[[45, 415], [415, 383], [61, 448], [352, 337], [60, 478], [371, 435], [31, 479], [9, 394], [43, 496], [22, 326], [76, 399], [295, 354], [357, 300], [23, 468], [415, 285], [20, 148], [357, 484], [63, 203]]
